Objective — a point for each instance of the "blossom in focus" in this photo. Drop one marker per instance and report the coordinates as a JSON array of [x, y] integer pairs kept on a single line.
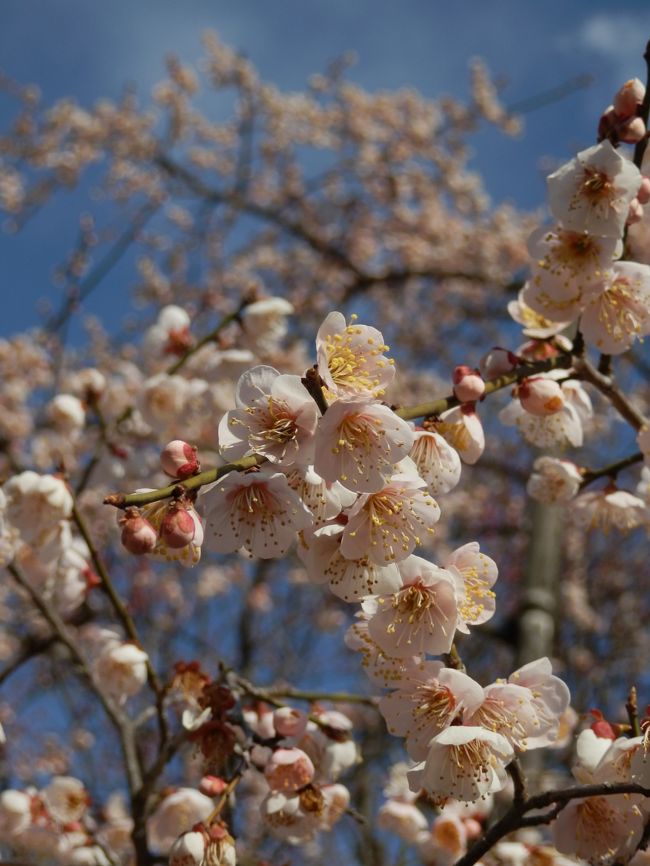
[[618, 315], [593, 191], [358, 443], [254, 510], [422, 616], [351, 359], [275, 417], [436, 461], [475, 575], [428, 700], [463, 762], [386, 526], [462, 429]]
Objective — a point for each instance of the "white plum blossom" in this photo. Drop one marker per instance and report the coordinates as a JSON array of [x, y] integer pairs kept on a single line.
[[254, 510], [67, 413], [464, 762], [121, 670], [427, 701], [609, 508], [619, 314], [535, 325], [349, 579], [403, 819], [554, 480], [359, 442], [275, 417], [265, 323], [351, 360], [592, 193], [475, 575], [560, 429], [422, 616], [601, 830], [569, 268], [325, 501], [386, 526], [170, 335], [36, 504], [188, 850], [176, 813], [383, 670], [66, 799], [15, 813], [462, 429], [437, 462]]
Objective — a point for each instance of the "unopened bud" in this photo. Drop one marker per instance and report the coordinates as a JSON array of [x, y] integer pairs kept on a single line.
[[138, 535], [188, 850], [635, 212], [212, 786], [497, 362], [629, 97], [290, 722], [179, 459], [178, 527], [540, 396], [632, 130], [468, 384], [289, 770]]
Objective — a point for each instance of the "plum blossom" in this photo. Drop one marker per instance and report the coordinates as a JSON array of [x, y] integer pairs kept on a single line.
[[188, 850], [475, 575], [358, 443], [600, 830], [422, 616], [428, 701], [535, 325], [569, 268], [554, 480], [170, 335], [609, 508], [35, 505], [289, 770], [66, 412], [325, 501], [463, 762], [386, 671], [176, 813], [275, 417], [437, 462], [386, 526], [612, 319], [462, 429], [188, 553], [593, 191], [121, 670], [560, 429], [403, 819], [254, 510], [265, 323], [66, 799], [351, 359], [349, 579], [15, 813]]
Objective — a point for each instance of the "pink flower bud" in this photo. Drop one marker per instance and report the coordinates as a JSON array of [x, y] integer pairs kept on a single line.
[[497, 362], [632, 130], [179, 459], [635, 212], [540, 396], [643, 194], [473, 828], [178, 528], [138, 535], [629, 97], [289, 770], [468, 384], [212, 786], [290, 722]]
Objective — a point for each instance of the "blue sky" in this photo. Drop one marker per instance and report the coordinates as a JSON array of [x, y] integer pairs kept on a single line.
[[92, 48]]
